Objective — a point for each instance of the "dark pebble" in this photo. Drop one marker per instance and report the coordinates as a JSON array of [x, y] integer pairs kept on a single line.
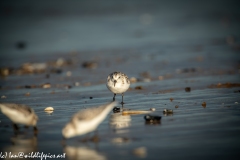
[[91, 97], [152, 118], [139, 87], [21, 45], [27, 86], [187, 70], [204, 104], [188, 89], [168, 111], [58, 71], [90, 65], [47, 75]]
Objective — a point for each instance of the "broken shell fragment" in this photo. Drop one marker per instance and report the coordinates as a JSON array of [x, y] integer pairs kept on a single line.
[[49, 109]]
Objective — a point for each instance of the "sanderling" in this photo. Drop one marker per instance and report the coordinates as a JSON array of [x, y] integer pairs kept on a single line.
[[86, 120], [118, 83], [20, 114]]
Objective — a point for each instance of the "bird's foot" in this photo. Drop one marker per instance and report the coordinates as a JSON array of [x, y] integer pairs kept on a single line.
[[35, 130], [122, 103]]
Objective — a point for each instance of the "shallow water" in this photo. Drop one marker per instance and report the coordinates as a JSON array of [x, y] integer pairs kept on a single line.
[[170, 54]]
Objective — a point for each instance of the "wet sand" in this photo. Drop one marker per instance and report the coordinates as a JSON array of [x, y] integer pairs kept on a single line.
[[198, 79]]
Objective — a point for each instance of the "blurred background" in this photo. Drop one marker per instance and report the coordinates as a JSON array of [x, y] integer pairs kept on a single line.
[[46, 27]]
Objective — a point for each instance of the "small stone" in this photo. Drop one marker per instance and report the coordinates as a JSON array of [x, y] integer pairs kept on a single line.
[[133, 80], [87, 84], [4, 72], [21, 45], [146, 80], [176, 106], [58, 71], [68, 86], [60, 62], [236, 102], [28, 86], [171, 99], [77, 84], [138, 87], [46, 85], [47, 75], [91, 97], [27, 94], [90, 65], [3, 97], [160, 78], [140, 152], [188, 89], [69, 73], [204, 104]]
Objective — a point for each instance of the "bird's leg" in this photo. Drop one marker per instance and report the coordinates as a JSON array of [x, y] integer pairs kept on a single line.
[[35, 130], [63, 142], [114, 97], [122, 99], [15, 127]]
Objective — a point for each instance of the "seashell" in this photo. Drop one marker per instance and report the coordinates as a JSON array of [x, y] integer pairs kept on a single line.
[[49, 109], [152, 109], [49, 112]]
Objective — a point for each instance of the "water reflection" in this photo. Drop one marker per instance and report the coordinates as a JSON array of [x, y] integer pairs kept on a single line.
[[21, 143], [87, 153], [119, 121]]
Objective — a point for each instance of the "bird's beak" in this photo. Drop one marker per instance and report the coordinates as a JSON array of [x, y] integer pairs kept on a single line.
[[114, 82]]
